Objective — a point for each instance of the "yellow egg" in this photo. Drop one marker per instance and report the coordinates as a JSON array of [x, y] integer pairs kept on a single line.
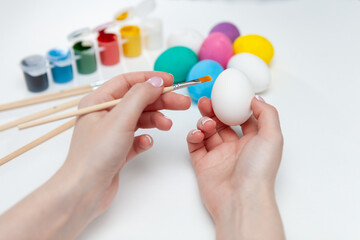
[[255, 44]]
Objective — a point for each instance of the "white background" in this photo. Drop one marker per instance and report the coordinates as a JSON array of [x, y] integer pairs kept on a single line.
[[315, 85]]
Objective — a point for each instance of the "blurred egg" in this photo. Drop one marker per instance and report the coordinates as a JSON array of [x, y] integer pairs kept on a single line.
[[177, 61], [201, 69], [186, 38], [229, 29], [218, 47], [231, 97], [255, 44], [255, 69]]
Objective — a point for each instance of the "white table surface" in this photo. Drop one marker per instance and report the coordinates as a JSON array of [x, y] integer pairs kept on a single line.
[[315, 85]]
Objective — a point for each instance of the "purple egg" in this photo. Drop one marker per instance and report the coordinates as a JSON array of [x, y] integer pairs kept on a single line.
[[218, 47], [228, 29]]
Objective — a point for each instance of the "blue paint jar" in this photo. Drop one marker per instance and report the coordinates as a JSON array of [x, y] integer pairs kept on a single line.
[[61, 65], [35, 73], [201, 69]]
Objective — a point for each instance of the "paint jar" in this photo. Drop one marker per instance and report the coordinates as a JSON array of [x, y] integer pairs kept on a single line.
[[84, 50], [61, 65], [109, 48], [143, 9], [35, 72], [108, 45], [132, 40], [153, 33], [85, 57]]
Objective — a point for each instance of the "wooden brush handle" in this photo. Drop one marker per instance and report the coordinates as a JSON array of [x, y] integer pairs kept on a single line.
[[47, 97], [79, 112], [38, 141], [41, 114]]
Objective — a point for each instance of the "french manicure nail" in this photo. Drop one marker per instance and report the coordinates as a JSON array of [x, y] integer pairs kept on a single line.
[[156, 81], [205, 120], [150, 139], [260, 98], [195, 131]]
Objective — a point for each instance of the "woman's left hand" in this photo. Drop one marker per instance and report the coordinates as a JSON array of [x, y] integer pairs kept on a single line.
[[105, 140]]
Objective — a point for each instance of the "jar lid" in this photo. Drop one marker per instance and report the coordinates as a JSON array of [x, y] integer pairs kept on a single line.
[[143, 9], [103, 27], [34, 65], [78, 34], [59, 57]]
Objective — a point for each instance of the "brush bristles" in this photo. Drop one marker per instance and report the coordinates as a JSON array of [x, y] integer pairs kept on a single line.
[[205, 79]]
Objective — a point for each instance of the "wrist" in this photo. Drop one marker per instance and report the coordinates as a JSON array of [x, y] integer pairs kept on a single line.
[[79, 192], [234, 218]]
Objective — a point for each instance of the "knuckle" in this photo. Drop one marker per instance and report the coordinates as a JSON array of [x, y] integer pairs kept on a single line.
[[85, 101], [142, 88]]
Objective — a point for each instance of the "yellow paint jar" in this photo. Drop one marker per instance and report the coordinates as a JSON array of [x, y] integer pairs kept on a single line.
[[254, 44], [132, 41]]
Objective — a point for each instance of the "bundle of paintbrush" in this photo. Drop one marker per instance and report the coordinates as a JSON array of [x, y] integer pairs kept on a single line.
[[24, 122]]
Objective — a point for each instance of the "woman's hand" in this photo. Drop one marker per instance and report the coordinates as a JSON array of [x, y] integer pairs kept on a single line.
[[102, 143], [105, 140], [236, 175]]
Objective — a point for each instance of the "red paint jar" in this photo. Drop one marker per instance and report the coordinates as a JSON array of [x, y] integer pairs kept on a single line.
[[109, 48]]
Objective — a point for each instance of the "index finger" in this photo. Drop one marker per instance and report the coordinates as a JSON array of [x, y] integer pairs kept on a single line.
[[116, 87]]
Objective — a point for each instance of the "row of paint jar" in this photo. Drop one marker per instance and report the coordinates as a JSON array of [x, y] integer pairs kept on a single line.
[[35, 68], [84, 54]]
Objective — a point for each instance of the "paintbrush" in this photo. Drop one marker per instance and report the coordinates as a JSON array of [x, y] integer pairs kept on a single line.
[[106, 105], [52, 96], [38, 141], [40, 114]]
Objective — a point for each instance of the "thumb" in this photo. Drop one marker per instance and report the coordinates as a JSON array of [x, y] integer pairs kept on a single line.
[[129, 110], [267, 116]]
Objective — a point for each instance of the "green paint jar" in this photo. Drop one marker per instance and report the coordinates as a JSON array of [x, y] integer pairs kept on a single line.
[[85, 57]]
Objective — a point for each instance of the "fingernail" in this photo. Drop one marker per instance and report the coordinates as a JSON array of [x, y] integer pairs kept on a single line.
[[156, 81], [260, 98], [150, 139], [195, 131], [205, 120], [166, 117]]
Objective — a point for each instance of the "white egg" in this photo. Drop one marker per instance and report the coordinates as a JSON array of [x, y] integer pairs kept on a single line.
[[187, 38], [231, 97], [256, 70]]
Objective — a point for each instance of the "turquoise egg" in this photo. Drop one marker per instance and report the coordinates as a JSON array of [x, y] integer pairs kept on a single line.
[[177, 61], [201, 69]]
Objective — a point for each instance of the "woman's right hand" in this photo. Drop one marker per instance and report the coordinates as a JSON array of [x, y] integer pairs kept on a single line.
[[236, 175]]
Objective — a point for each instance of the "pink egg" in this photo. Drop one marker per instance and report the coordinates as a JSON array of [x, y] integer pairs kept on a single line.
[[218, 47]]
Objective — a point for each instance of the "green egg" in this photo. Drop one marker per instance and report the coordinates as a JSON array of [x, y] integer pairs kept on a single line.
[[177, 61]]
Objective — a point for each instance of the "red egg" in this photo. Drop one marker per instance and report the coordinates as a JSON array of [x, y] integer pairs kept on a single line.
[[218, 47]]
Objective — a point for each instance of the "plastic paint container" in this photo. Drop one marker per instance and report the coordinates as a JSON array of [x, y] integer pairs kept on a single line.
[[35, 72], [61, 65], [108, 45], [132, 38], [153, 33], [109, 48], [85, 57], [83, 50]]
